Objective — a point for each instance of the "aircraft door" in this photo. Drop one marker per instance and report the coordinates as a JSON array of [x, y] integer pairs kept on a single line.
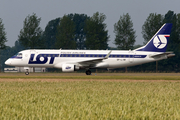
[[26, 56], [131, 56]]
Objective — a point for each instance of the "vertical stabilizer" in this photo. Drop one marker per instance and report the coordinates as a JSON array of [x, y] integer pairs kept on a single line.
[[159, 41]]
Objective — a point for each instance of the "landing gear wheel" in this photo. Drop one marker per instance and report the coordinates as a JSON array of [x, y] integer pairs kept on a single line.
[[88, 72], [26, 73]]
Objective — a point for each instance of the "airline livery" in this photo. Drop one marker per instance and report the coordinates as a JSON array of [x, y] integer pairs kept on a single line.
[[72, 60]]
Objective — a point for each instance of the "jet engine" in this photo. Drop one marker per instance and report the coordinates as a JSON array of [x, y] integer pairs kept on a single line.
[[69, 67]]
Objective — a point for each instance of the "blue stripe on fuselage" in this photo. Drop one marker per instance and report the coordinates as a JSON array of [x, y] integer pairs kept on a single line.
[[103, 55]]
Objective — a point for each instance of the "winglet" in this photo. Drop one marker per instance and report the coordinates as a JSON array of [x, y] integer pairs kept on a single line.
[[107, 56]]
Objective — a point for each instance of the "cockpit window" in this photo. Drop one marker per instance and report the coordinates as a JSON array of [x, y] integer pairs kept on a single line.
[[18, 55]]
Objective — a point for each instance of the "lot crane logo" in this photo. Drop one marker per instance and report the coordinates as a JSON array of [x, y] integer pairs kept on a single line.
[[160, 41], [68, 67]]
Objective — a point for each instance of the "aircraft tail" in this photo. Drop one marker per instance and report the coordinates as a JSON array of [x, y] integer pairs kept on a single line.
[[158, 43]]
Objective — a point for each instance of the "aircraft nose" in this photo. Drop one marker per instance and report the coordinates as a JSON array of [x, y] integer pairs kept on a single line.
[[8, 62]]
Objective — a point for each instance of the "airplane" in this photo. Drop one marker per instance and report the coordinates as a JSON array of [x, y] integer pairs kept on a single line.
[[73, 60]]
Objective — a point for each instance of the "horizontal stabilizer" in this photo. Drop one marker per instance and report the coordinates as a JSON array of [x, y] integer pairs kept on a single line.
[[167, 54]]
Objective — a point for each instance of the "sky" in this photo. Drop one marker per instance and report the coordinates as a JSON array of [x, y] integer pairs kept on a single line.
[[14, 12]]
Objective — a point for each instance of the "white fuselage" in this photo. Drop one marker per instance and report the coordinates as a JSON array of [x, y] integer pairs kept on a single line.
[[81, 58]]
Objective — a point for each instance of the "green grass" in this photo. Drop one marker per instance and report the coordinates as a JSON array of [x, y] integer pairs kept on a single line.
[[96, 77], [89, 100]]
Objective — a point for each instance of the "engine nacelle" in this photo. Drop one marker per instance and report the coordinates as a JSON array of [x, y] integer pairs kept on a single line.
[[69, 68]]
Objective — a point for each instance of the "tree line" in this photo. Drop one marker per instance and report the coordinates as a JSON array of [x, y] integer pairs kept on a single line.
[[79, 31]]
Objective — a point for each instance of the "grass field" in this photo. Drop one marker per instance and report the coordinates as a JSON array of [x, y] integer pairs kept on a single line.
[[100, 76], [100, 96]]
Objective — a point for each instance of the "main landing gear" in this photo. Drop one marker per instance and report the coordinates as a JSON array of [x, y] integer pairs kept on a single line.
[[27, 72], [88, 72]]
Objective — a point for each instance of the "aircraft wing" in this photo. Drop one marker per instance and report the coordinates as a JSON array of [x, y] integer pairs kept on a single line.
[[96, 60], [168, 54], [91, 61]]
